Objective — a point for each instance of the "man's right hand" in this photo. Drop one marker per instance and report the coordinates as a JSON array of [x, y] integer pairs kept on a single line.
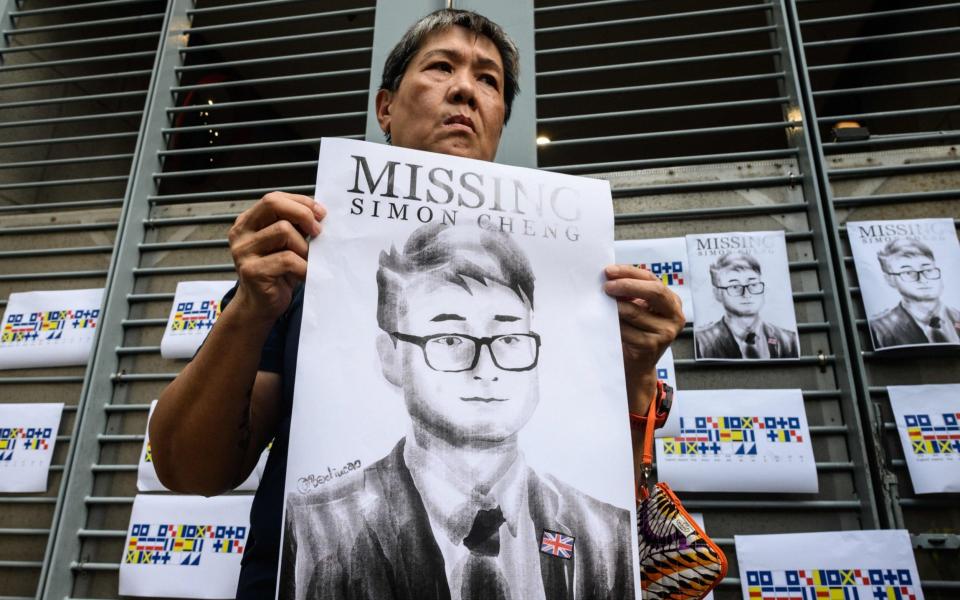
[[268, 242]]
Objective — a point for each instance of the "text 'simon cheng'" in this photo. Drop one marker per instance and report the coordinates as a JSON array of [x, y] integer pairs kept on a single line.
[[439, 194]]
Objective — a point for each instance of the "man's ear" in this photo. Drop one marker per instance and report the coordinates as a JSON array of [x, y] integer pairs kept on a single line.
[[390, 359], [384, 100]]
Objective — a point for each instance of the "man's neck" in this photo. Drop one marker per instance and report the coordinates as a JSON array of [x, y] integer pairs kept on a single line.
[[480, 462], [740, 324], [921, 310]]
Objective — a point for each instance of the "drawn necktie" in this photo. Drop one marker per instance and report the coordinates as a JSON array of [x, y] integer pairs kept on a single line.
[[482, 578], [936, 334], [751, 341]]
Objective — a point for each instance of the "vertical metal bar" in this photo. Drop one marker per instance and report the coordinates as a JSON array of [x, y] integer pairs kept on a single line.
[[56, 581], [5, 22], [836, 276], [518, 142], [824, 234]]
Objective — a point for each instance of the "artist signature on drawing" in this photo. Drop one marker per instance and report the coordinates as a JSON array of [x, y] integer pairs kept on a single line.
[[315, 480]]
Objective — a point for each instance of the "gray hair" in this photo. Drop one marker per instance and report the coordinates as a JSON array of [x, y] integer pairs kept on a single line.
[[401, 55], [734, 261], [903, 247]]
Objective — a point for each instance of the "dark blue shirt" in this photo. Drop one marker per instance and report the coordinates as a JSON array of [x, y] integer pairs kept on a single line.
[[258, 573]]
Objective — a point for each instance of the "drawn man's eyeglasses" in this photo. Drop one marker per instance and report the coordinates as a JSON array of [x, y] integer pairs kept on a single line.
[[738, 290], [456, 352], [910, 275]]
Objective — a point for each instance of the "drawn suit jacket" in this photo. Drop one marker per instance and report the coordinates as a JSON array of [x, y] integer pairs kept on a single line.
[[717, 341], [369, 538], [897, 328]]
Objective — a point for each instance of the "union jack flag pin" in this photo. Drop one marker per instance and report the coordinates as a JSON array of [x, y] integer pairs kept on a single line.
[[556, 544]]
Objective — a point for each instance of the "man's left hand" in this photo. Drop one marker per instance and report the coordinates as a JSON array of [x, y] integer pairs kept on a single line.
[[651, 317]]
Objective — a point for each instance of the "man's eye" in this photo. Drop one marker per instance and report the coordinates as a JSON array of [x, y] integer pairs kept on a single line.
[[509, 340], [449, 340], [490, 80], [442, 66]]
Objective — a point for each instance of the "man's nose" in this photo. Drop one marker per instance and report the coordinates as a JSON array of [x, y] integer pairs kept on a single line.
[[486, 370], [463, 89]]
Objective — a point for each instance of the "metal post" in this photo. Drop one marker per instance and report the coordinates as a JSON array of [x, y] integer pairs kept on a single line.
[[70, 515], [6, 22], [518, 142], [883, 480]]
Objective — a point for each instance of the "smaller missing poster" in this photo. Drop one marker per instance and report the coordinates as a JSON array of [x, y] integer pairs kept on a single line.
[[666, 258], [49, 329], [928, 422], [743, 296], [909, 274]]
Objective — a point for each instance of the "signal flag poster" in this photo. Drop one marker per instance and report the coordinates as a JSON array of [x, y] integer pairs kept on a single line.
[[196, 307], [185, 546], [928, 422], [664, 257], [49, 329], [739, 441], [147, 480], [28, 434], [864, 565]]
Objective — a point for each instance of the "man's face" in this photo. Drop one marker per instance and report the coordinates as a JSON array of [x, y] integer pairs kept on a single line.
[[748, 304], [485, 404], [923, 288], [450, 99]]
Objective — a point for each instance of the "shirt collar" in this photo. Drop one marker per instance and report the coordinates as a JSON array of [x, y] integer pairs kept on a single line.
[[452, 498], [924, 319], [741, 334]]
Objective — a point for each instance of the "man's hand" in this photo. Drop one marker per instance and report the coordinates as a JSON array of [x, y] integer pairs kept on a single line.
[[269, 247], [651, 317]]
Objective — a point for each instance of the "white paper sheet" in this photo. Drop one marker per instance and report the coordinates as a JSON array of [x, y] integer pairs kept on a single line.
[[838, 564], [196, 307], [928, 422], [901, 312], [49, 329], [665, 258], [185, 546], [743, 296], [147, 480], [28, 434], [739, 441], [566, 411]]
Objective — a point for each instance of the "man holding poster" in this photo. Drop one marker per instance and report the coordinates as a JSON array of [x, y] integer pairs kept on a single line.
[[447, 88]]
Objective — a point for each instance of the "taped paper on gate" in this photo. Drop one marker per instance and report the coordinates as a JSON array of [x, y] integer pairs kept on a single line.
[[928, 423], [739, 441], [28, 434], [664, 257], [454, 316], [185, 546], [49, 329], [864, 565], [147, 480], [909, 273], [196, 307], [743, 296]]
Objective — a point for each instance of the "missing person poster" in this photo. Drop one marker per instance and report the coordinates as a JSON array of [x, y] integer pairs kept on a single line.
[[743, 296], [459, 420], [739, 441], [28, 434], [147, 480], [185, 546], [928, 422], [837, 564], [666, 258], [909, 273], [49, 329], [196, 307]]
